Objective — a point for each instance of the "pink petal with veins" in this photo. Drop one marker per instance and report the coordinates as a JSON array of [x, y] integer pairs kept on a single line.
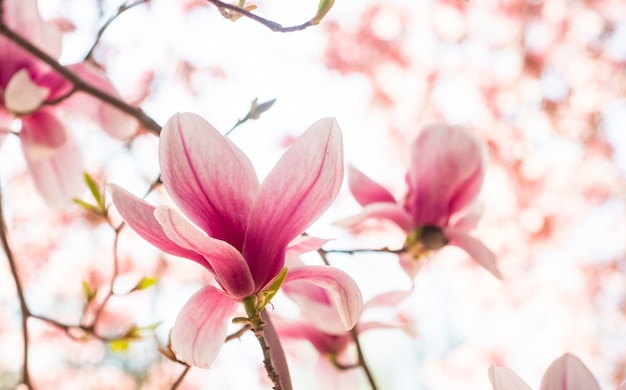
[[200, 328], [568, 373], [340, 287], [229, 267], [302, 185], [140, 216], [504, 379], [208, 177]]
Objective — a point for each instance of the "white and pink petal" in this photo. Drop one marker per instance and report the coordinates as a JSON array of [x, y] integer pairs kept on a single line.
[[200, 328], [366, 190]]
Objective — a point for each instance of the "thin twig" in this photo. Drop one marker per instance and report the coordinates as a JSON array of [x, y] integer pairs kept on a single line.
[[276, 27], [180, 378], [238, 333], [353, 251], [20, 293], [122, 8], [78, 83], [362, 362]]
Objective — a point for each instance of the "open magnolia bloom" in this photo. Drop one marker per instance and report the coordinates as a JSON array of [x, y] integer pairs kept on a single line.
[[445, 176], [33, 92], [565, 373], [243, 229]]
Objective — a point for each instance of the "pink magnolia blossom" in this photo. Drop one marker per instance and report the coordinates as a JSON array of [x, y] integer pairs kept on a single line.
[[243, 228], [33, 92], [565, 373], [445, 176]]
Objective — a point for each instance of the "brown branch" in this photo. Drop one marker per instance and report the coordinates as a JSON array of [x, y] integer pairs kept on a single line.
[[180, 378], [78, 83], [361, 361], [20, 293], [276, 27]]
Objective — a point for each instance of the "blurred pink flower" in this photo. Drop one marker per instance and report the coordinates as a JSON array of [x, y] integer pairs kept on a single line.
[[320, 326], [565, 373], [245, 227], [38, 96], [445, 176]]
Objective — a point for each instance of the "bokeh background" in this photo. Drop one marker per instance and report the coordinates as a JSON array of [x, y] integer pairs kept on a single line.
[[543, 82]]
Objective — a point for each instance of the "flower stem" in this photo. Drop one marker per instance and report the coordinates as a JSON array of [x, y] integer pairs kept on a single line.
[[273, 354]]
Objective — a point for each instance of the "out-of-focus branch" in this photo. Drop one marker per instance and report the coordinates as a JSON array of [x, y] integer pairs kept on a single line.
[[122, 8], [20, 293], [180, 378], [276, 27], [78, 83]]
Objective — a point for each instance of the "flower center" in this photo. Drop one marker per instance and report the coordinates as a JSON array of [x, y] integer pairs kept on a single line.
[[425, 239]]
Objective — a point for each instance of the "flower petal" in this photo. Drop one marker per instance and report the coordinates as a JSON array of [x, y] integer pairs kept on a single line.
[[504, 379], [383, 210], [388, 299], [140, 216], [200, 328], [208, 177], [304, 244], [340, 287], [302, 185], [53, 158], [366, 190], [23, 17], [229, 267], [22, 95], [116, 123], [568, 373], [446, 173], [475, 248]]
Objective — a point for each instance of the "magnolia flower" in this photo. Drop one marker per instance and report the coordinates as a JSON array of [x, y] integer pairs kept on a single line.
[[242, 228], [445, 176], [565, 373], [33, 92]]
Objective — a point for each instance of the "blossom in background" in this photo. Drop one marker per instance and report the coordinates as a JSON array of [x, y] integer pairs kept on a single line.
[[565, 373], [320, 326], [445, 176], [245, 228], [33, 92]]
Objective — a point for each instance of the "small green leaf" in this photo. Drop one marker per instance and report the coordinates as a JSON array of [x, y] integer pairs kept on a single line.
[[268, 294], [87, 207], [95, 190], [139, 332], [89, 293], [322, 9], [257, 109], [119, 345], [145, 282]]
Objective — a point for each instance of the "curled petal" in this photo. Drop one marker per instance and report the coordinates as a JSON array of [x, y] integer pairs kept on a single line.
[[208, 177], [366, 190], [53, 158], [200, 328], [116, 123], [22, 95], [229, 267], [475, 248], [296, 192], [504, 379], [140, 216], [568, 373], [340, 287], [324, 343], [446, 173], [383, 210], [304, 244]]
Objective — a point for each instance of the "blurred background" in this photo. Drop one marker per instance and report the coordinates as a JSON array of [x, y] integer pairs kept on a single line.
[[543, 82]]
